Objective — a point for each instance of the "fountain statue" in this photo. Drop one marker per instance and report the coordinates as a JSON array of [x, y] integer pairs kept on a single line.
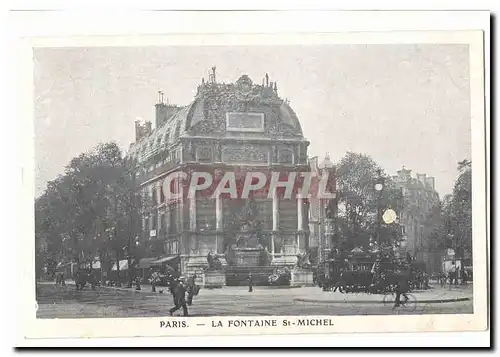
[[246, 251]]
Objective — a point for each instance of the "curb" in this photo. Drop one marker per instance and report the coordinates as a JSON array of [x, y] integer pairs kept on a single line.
[[116, 288], [437, 301]]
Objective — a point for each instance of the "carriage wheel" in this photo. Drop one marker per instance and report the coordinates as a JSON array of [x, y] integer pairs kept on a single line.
[[410, 304], [389, 299]]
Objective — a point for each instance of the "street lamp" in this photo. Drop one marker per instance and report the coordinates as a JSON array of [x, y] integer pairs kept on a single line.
[[379, 186]]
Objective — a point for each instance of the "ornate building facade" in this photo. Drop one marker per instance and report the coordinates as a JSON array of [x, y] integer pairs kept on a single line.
[[234, 127], [421, 213], [323, 235]]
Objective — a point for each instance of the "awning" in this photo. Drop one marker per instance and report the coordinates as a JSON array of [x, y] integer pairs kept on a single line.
[[86, 265], [123, 265], [146, 263], [62, 266], [96, 265], [164, 260]]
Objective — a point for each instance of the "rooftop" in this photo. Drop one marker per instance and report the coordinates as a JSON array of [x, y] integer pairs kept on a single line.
[[207, 116]]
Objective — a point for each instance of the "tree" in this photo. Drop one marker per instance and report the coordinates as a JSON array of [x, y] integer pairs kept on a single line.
[[96, 195], [455, 230], [360, 203], [461, 209]]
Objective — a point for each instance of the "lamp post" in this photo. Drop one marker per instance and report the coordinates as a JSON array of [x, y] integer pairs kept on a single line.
[[129, 262], [379, 186]]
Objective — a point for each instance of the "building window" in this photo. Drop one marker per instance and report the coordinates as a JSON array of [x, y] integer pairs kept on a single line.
[[205, 214], [162, 195], [172, 219], [161, 221], [172, 247], [154, 197], [154, 223]]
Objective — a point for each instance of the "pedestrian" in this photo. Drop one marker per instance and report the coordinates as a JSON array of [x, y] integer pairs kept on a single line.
[[402, 287], [179, 293], [455, 275], [465, 277], [250, 282], [191, 289]]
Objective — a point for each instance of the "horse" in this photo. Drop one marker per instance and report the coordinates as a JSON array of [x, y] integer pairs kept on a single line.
[[60, 279], [83, 277], [354, 281]]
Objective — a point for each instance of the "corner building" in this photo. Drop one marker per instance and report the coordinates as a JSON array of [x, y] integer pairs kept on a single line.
[[234, 127], [420, 216]]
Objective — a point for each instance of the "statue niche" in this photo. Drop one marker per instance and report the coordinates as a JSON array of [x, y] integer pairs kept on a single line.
[[245, 247]]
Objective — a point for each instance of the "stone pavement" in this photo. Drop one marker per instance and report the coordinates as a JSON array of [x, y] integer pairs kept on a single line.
[[430, 296], [317, 295], [66, 302]]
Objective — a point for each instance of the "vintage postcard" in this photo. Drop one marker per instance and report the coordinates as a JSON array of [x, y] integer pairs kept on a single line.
[[193, 185]]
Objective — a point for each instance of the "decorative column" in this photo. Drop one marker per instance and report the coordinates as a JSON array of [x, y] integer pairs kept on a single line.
[[144, 223], [192, 213], [158, 193], [300, 220], [321, 232], [159, 223], [180, 207], [151, 217], [183, 237], [276, 218], [218, 221]]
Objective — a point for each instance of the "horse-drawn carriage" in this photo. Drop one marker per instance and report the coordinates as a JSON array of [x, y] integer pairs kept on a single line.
[[367, 272], [83, 277]]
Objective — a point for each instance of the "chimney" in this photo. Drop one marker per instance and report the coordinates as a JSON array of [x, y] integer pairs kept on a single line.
[[161, 114], [211, 77], [164, 112], [142, 129], [431, 182], [422, 179]]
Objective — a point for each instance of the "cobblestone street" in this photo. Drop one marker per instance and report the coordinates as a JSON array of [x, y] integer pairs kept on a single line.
[[66, 302]]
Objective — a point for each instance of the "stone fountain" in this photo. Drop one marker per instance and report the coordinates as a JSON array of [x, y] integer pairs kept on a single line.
[[247, 250]]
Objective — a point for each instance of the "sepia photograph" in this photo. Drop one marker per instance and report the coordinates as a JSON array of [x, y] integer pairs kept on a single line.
[[258, 184], [118, 235]]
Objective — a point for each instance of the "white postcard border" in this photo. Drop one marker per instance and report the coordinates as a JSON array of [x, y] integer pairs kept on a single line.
[[42, 328]]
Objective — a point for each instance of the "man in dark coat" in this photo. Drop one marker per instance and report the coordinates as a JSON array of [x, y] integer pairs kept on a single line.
[[191, 289], [250, 283], [179, 293], [402, 286]]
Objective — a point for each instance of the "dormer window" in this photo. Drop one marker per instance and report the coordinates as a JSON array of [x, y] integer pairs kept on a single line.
[[166, 137], [177, 130]]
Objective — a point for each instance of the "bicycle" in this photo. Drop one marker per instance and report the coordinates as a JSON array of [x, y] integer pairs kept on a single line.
[[410, 303]]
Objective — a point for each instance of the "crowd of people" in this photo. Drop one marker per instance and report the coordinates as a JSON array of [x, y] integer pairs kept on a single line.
[[455, 276]]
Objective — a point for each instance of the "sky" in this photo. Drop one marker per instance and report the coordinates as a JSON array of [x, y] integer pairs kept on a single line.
[[401, 104]]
